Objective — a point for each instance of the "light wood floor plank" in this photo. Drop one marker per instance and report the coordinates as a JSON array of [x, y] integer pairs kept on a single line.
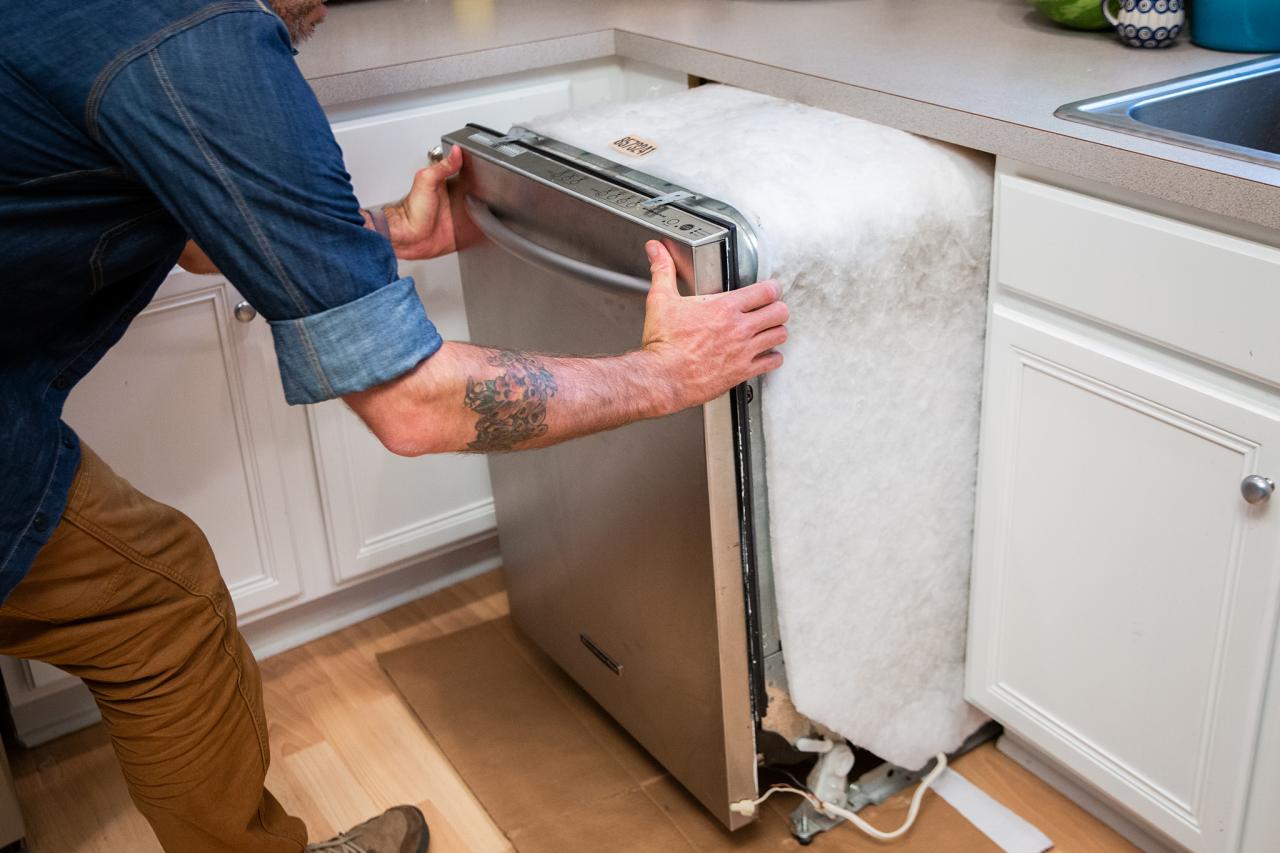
[[336, 799], [74, 798], [444, 838]]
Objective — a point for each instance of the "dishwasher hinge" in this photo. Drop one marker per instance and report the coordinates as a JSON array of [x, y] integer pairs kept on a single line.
[[667, 198]]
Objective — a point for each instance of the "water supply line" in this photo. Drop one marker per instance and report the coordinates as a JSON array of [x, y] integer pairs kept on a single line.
[[832, 758]]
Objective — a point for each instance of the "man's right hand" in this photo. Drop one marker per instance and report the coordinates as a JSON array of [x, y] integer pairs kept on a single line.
[[708, 344]]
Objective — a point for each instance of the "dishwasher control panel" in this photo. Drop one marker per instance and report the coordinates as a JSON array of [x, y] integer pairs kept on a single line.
[[649, 209]]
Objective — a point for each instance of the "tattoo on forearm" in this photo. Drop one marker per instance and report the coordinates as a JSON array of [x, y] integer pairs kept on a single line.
[[513, 405]]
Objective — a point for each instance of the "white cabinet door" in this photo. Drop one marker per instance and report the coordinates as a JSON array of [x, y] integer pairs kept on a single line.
[[1124, 594], [181, 408], [1262, 822], [382, 510]]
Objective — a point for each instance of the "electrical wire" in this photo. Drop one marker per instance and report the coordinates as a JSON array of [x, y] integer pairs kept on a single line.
[[793, 777], [748, 807]]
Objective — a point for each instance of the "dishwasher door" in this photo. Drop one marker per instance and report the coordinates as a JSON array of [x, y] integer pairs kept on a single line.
[[621, 550]]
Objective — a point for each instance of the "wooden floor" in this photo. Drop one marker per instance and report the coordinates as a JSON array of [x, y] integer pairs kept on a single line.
[[344, 746]]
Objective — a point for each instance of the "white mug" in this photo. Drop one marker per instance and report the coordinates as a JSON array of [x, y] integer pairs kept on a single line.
[[1147, 23]]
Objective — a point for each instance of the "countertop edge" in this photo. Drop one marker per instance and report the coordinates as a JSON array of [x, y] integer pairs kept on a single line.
[[336, 89], [1118, 165]]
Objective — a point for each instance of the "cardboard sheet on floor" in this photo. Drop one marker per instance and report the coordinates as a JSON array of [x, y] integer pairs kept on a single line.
[[559, 776]]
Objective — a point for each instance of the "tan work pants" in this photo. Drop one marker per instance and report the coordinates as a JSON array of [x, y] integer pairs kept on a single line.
[[127, 596]]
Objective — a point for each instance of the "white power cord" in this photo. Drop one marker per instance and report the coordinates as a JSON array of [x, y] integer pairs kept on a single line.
[[748, 807]]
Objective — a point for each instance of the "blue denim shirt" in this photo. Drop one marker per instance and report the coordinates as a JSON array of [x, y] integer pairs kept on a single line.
[[126, 128]]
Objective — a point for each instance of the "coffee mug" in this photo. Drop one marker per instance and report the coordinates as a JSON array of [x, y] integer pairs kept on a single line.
[[1147, 23]]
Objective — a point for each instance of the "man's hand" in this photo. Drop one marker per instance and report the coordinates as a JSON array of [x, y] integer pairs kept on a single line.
[[420, 226], [708, 344]]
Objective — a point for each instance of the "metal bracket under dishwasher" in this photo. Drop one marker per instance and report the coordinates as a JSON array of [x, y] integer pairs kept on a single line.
[[874, 787]]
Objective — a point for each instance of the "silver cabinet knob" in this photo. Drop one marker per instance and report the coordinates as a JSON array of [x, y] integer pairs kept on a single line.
[[436, 155], [245, 312], [1256, 489]]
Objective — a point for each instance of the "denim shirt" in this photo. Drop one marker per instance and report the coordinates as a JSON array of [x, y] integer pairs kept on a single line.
[[125, 129]]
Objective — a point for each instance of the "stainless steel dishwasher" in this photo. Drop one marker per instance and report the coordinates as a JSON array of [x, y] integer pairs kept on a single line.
[[631, 557]]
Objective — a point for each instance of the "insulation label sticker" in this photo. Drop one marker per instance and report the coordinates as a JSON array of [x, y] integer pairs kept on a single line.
[[633, 146]]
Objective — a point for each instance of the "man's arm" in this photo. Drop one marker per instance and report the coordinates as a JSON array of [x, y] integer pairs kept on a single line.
[[694, 349], [419, 226], [219, 124]]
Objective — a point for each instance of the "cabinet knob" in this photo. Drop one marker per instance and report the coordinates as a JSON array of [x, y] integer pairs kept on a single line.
[[245, 312], [436, 155], [1256, 489]]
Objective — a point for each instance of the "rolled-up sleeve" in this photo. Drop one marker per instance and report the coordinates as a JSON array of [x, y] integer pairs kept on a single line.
[[348, 348], [217, 121]]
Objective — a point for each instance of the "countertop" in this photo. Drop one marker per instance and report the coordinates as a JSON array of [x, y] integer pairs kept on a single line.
[[986, 74]]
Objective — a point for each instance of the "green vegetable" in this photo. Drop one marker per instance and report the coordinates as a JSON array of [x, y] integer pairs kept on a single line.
[[1077, 14]]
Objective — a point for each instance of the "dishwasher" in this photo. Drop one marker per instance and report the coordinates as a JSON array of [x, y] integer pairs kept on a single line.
[[631, 557], [650, 562]]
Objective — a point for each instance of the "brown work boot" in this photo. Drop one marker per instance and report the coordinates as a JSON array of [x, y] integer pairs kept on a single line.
[[400, 829]]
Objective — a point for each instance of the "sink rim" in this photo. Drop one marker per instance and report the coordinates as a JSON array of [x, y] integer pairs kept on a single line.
[[1112, 111]]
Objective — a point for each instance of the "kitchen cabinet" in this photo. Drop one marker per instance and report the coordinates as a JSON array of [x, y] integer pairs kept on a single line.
[[1262, 818], [302, 505], [1127, 558], [181, 407]]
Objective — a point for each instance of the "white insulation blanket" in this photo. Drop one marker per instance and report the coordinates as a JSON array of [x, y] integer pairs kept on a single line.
[[880, 241]]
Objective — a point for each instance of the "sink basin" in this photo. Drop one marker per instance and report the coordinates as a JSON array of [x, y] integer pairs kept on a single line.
[[1233, 111]]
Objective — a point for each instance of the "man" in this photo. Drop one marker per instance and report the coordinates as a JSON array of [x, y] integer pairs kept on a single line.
[[135, 133]]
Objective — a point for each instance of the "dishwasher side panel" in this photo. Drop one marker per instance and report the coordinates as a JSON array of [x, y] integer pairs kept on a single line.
[[618, 563]]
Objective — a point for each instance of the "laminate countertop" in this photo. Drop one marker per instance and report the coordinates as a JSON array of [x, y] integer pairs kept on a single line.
[[987, 74]]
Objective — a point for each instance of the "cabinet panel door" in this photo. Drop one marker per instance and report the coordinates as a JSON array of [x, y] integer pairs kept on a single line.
[[1124, 593], [181, 408], [381, 509], [1262, 821]]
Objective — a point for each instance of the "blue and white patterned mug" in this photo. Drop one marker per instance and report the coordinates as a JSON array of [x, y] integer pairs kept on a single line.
[[1147, 23]]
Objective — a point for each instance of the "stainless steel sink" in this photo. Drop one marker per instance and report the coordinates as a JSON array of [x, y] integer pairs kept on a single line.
[[1233, 111]]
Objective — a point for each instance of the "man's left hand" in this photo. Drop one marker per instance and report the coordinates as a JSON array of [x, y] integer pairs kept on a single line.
[[420, 225]]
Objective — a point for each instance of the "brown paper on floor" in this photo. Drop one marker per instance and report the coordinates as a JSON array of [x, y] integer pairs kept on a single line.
[[558, 775]]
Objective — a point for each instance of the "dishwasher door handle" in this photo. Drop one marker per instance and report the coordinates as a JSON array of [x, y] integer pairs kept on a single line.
[[527, 250]]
